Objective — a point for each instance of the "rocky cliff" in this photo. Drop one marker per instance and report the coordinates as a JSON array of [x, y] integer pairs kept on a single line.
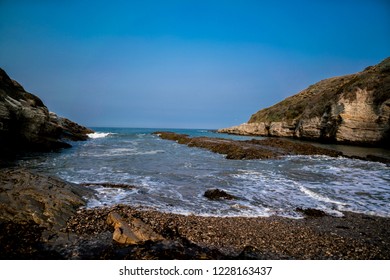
[[27, 124], [353, 109]]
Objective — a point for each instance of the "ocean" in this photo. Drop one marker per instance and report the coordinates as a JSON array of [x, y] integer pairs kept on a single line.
[[173, 178]]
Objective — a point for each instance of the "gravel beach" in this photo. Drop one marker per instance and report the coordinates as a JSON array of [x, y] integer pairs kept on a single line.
[[43, 217], [354, 236]]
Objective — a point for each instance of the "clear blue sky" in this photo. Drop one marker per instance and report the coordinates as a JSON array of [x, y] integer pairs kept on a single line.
[[198, 64]]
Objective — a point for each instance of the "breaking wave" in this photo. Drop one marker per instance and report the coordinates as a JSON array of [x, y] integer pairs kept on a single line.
[[96, 135], [173, 178]]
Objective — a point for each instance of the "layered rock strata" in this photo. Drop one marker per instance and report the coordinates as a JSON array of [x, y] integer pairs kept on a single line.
[[27, 124], [30, 197], [352, 109]]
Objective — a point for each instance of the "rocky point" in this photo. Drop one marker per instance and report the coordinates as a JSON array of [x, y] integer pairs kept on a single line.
[[351, 109], [27, 124]]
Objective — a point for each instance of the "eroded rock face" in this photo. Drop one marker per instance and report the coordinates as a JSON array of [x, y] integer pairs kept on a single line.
[[27, 124], [352, 109], [362, 119], [27, 197], [261, 129]]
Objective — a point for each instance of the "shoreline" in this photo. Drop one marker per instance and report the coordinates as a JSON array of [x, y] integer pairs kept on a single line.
[[70, 232], [43, 217], [353, 236]]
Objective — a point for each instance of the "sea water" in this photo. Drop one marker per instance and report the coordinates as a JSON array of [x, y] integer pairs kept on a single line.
[[171, 177]]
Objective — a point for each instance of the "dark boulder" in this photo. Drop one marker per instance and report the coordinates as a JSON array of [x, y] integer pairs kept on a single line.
[[311, 212], [217, 194]]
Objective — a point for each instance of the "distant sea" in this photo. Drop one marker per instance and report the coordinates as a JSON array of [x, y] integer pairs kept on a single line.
[[171, 177]]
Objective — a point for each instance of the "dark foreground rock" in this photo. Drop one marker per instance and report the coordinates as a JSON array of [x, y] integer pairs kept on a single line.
[[40, 218], [33, 210], [250, 149], [26, 123], [30, 197]]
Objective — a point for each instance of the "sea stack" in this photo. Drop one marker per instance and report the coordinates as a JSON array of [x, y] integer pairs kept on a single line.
[[350, 109]]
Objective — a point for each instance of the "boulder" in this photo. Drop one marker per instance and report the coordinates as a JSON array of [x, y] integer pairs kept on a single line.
[[135, 232], [311, 212], [217, 194]]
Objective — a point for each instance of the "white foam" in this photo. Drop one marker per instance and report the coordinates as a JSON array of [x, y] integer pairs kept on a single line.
[[153, 152], [319, 197], [176, 178], [106, 196], [125, 152], [99, 135]]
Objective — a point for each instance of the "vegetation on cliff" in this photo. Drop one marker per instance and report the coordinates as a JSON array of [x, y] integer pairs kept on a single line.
[[317, 98], [352, 109]]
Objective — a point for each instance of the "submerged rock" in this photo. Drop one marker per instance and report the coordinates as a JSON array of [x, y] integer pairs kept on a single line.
[[180, 138]]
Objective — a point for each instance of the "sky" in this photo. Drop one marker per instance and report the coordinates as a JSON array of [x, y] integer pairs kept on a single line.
[[183, 64]]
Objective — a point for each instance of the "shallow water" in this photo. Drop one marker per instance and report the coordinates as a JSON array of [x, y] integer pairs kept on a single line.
[[173, 178]]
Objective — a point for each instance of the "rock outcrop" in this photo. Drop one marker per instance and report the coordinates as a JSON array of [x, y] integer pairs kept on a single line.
[[217, 194], [352, 109], [27, 124], [30, 197], [249, 149]]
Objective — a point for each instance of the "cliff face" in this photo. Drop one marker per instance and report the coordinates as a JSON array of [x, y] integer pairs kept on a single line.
[[27, 124], [352, 109]]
